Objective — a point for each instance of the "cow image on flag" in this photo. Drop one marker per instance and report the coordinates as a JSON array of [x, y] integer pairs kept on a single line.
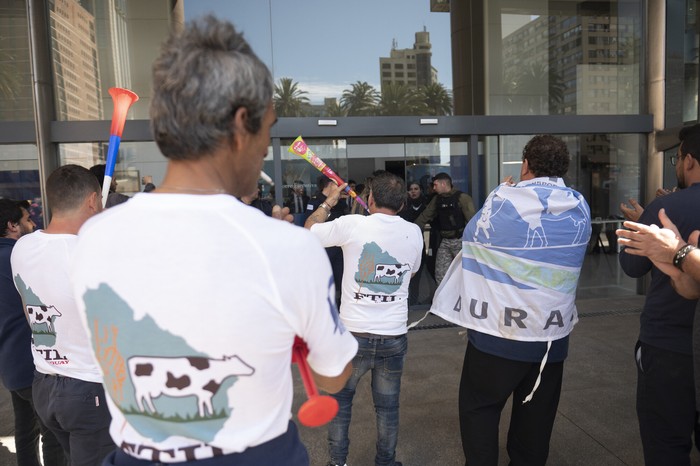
[[196, 349], [513, 287]]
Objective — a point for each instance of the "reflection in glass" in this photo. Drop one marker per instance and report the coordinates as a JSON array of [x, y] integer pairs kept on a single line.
[[74, 57], [691, 48], [295, 169], [98, 45], [604, 167], [134, 161], [19, 177], [15, 74], [572, 58]]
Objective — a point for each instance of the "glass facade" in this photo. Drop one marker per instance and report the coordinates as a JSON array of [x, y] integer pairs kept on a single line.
[[349, 62], [413, 159], [691, 48], [98, 44], [564, 58], [382, 85], [136, 160], [15, 72]]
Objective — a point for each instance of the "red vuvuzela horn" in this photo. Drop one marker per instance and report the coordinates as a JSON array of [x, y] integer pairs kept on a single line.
[[122, 98], [318, 409]]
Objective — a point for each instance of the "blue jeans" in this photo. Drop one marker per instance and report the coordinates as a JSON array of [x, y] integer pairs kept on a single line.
[[384, 357]]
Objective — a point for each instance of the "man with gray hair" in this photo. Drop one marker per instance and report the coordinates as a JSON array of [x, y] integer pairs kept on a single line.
[[196, 348], [381, 252], [67, 388]]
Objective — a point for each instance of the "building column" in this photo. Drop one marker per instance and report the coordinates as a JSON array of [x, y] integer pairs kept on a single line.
[[42, 93], [468, 56]]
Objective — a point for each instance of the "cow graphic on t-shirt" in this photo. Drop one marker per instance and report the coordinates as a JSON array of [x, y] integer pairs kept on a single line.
[[379, 271], [179, 391], [42, 315], [177, 377], [390, 270]]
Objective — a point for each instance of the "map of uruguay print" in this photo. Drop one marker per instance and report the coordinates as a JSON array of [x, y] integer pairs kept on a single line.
[[178, 391], [378, 271]]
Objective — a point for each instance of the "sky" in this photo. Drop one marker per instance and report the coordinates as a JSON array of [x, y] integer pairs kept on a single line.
[[327, 45]]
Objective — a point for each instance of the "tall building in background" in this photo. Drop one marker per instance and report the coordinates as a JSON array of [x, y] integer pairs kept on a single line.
[[572, 64], [112, 41], [409, 67], [74, 51], [575, 64], [76, 74]]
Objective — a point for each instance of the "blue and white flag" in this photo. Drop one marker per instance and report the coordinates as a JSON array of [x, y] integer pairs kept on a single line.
[[521, 259]]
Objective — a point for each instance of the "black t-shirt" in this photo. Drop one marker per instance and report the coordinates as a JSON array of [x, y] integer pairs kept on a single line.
[[667, 318]]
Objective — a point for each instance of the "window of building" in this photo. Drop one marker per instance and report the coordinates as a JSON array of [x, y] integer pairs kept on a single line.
[[15, 71], [528, 71], [266, 26]]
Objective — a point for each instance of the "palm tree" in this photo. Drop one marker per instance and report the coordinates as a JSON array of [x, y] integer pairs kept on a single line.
[[536, 81], [437, 99], [556, 91], [289, 99], [399, 99], [361, 100], [333, 109]]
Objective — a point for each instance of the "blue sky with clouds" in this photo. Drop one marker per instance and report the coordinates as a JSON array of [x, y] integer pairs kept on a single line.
[[327, 45]]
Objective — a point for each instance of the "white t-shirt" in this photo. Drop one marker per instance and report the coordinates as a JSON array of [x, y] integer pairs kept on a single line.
[[193, 303], [60, 344], [380, 253]]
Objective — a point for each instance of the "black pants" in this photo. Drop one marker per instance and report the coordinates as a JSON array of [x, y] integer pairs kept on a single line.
[[77, 414], [665, 405], [487, 383], [28, 426], [286, 449]]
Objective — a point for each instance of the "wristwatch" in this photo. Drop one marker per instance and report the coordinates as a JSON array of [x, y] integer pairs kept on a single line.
[[681, 254], [327, 208]]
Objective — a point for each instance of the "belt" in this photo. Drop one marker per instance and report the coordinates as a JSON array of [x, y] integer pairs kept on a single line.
[[50, 375], [374, 335]]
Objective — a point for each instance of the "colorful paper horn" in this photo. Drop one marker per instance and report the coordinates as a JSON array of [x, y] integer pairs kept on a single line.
[[300, 148], [122, 98], [318, 409]]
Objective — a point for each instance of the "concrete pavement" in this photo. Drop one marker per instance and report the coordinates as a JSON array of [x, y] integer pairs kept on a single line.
[[596, 422]]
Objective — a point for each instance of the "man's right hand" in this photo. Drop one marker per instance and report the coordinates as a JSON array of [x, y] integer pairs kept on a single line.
[[334, 195]]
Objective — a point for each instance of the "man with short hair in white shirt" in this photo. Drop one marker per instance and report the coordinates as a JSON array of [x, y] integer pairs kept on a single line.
[[196, 348], [67, 389], [381, 252]]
